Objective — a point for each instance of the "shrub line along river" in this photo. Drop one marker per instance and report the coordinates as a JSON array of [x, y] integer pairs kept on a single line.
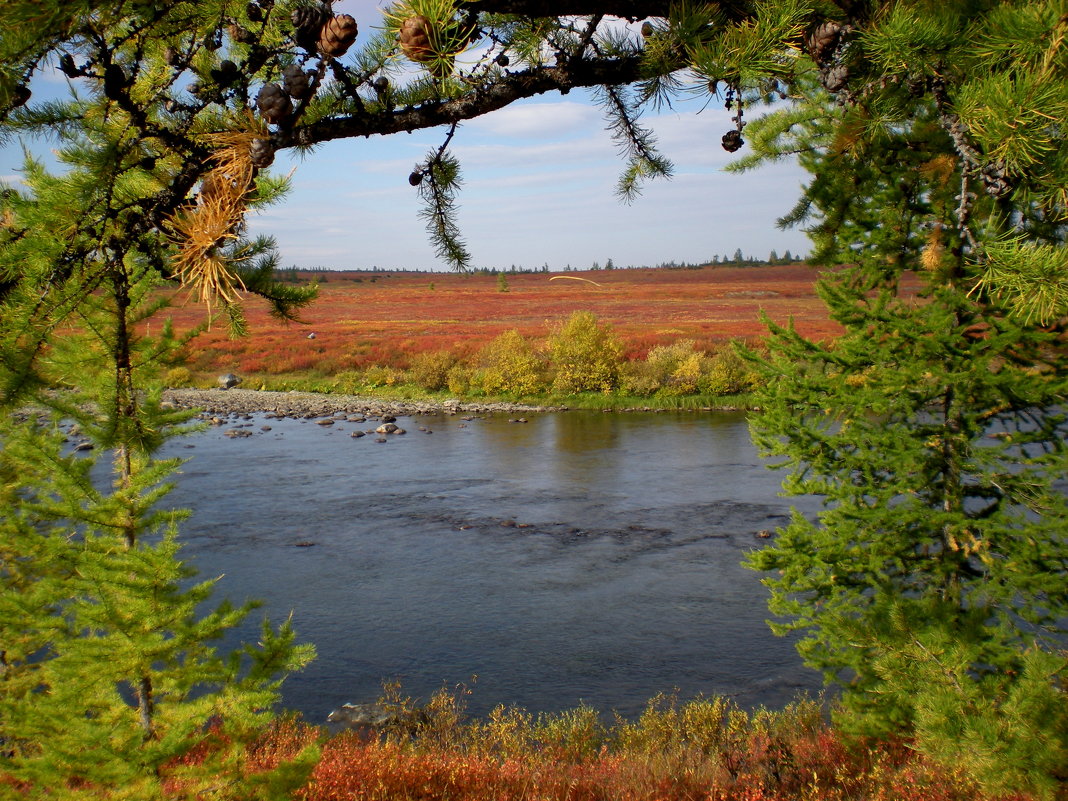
[[576, 557]]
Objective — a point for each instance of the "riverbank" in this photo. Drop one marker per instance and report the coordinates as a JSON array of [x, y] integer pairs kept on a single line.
[[315, 404]]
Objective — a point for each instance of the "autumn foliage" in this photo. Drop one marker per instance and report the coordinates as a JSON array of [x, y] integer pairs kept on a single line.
[[700, 750], [392, 321]]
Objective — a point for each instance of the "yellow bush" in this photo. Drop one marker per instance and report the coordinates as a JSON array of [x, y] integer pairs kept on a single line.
[[664, 360], [178, 377], [685, 377], [586, 355], [728, 374], [459, 379], [509, 366], [640, 379], [430, 369]]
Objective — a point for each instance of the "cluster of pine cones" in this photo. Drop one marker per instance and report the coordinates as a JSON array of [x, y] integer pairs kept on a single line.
[[316, 29], [823, 43]]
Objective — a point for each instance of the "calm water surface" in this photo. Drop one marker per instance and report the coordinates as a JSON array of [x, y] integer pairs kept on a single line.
[[576, 557]]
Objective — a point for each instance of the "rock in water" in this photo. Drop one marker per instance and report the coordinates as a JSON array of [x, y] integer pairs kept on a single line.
[[375, 717]]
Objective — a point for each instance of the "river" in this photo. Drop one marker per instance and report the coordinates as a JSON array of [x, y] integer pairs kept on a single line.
[[574, 557]]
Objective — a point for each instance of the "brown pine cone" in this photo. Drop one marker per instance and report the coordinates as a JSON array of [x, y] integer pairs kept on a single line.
[[20, 95], [307, 22], [415, 38], [337, 35], [295, 81], [241, 35], [312, 16], [261, 152], [274, 104], [732, 140], [822, 40], [225, 74], [835, 78]]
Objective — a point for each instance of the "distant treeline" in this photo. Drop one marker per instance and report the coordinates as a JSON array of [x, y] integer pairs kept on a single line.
[[296, 274]]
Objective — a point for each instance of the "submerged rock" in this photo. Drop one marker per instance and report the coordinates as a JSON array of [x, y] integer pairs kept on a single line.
[[375, 717]]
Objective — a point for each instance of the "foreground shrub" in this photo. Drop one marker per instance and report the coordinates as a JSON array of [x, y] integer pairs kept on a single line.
[[430, 369], [667, 370], [509, 366], [704, 749], [677, 367], [460, 379], [639, 379], [727, 373], [586, 356]]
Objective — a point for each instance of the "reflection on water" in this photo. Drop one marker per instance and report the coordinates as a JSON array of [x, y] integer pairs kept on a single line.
[[576, 557]]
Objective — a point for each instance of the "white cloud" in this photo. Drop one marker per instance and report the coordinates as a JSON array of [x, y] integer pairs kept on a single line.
[[537, 120], [518, 157]]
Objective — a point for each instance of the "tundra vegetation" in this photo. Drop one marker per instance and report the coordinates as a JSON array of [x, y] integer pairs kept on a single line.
[[396, 338], [931, 588]]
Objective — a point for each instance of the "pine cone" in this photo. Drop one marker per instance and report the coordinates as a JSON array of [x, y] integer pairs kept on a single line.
[[835, 78], [337, 35], [115, 79], [822, 40], [68, 67], [20, 95], [241, 35], [295, 81], [312, 16], [416, 38], [307, 22], [261, 152], [225, 74], [732, 140], [274, 104]]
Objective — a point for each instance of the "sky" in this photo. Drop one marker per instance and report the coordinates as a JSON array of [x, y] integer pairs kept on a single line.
[[539, 182]]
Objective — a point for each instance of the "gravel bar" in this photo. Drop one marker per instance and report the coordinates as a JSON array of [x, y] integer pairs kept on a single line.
[[314, 404]]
